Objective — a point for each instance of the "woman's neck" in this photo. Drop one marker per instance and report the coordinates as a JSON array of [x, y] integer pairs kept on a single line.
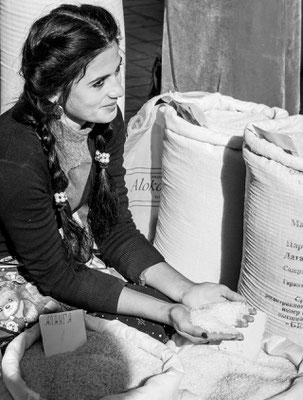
[[74, 125]]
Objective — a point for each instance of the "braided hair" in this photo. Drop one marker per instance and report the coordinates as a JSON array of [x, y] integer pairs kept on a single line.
[[55, 54]]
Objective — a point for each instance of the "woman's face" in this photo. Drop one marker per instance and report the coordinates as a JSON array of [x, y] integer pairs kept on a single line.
[[94, 97]]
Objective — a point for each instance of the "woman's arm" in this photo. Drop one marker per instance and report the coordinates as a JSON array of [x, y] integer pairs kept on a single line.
[[126, 249], [177, 315], [134, 257], [28, 220], [166, 279], [173, 284]]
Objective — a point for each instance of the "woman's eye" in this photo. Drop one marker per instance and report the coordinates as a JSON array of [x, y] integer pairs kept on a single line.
[[99, 83]]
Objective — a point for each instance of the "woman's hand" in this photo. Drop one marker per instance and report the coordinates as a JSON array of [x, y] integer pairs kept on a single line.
[[179, 318], [202, 293]]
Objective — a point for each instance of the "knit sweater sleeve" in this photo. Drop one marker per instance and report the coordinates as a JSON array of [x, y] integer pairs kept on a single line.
[[126, 249], [28, 220]]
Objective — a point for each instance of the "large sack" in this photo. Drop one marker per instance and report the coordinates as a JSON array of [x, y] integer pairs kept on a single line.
[[199, 228], [212, 373], [143, 159], [142, 162], [164, 385], [272, 266], [15, 21], [174, 383]]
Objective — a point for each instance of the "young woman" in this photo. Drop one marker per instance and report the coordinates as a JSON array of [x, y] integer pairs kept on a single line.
[[61, 151]]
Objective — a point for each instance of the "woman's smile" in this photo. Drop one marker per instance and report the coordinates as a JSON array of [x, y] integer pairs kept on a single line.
[[94, 97]]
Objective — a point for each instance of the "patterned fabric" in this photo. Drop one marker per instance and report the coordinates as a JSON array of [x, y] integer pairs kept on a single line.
[[20, 302], [156, 330]]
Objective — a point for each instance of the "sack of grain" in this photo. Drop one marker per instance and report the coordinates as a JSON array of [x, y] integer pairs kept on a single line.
[[258, 367], [199, 227], [117, 360], [272, 265], [143, 159], [209, 369], [212, 373]]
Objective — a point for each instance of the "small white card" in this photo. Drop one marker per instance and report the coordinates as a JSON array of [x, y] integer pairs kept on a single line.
[[62, 332]]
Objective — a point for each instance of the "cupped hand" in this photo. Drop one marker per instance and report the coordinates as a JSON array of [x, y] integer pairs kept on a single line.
[[200, 294], [180, 319]]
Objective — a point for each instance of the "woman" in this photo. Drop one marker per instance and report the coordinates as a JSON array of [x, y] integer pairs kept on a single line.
[[61, 151]]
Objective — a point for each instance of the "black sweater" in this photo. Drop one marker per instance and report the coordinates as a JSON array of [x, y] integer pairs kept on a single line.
[[29, 228]]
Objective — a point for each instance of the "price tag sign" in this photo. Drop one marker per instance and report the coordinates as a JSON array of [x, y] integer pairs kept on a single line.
[[62, 332]]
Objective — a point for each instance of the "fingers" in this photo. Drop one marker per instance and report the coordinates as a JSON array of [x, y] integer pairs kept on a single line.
[[194, 339], [197, 332], [211, 338], [202, 336], [252, 311], [236, 297], [233, 296], [243, 323], [215, 337]]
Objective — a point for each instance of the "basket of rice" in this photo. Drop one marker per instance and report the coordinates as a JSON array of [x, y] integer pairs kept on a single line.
[[117, 362]]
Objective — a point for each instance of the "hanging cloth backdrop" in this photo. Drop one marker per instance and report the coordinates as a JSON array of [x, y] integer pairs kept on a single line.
[[15, 22], [249, 50]]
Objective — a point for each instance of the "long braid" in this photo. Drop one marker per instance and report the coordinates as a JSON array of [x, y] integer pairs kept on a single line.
[[77, 239], [103, 214]]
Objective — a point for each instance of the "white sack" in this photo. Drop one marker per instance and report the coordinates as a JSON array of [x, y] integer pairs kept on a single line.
[[234, 369], [143, 159], [200, 223], [272, 265], [16, 18], [142, 162], [164, 385]]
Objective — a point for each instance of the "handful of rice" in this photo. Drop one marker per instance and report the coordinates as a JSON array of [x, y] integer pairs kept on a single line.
[[220, 317]]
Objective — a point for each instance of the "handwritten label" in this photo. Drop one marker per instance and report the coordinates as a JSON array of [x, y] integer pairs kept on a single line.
[[62, 332]]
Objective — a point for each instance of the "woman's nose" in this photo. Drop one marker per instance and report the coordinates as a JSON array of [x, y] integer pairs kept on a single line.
[[116, 88]]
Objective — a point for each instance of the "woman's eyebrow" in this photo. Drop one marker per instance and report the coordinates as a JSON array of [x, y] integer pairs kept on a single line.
[[105, 76]]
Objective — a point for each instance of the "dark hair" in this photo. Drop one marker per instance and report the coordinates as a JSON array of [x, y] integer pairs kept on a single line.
[[56, 53]]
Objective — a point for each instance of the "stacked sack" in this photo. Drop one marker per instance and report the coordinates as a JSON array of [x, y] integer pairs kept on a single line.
[[199, 228], [272, 266]]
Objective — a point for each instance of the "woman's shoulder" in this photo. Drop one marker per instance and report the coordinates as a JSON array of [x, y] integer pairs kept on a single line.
[[18, 142]]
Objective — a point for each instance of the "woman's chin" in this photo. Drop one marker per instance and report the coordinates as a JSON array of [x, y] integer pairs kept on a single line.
[[107, 116]]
